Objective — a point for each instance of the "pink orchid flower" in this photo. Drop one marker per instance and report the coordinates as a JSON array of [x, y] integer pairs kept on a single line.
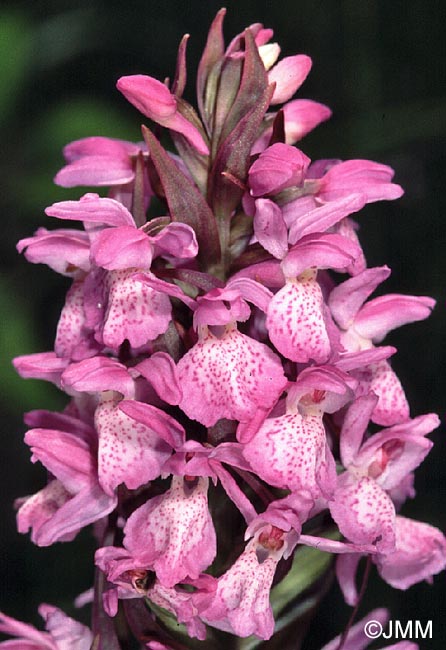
[[173, 534], [74, 498], [227, 374], [291, 451], [364, 324], [129, 452], [419, 553], [360, 504], [240, 603]]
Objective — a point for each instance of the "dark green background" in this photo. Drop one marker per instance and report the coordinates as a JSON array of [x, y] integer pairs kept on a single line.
[[379, 66]]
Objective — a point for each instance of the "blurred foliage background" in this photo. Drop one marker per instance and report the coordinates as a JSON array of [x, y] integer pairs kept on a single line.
[[378, 64]]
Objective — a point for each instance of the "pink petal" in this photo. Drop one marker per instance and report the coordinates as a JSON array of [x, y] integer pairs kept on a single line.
[[134, 311], [160, 422], [97, 171], [35, 511], [396, 458], [263, 35], [348, 228], [269, 273], [302, 116], [153, 99], [353, 360], [364, 512], [41, 419], [299, 208], [270, 228], [288, 75], [325, 251], [129, 452], [296, 323], [419, 426], [233, 491], [66, 632], [322, 217], [241, 603], [334, 546], [182, 125], [100, 146], [403, 491], [38, 640], [63, 250], [86, 507], [347, 298], [383, 314], [420, 553], [173, 533], [323, 389], [73, 339], [92, 208], [252, 291], [354, 426], [288, 514], [161, 372], [279, 166], [121, 248], [67, 457], [365, 176], [291, 452], [161, 286], [231, 377], [40, 365], [392, 407], [176, 239], [346, 568], [220, 307], [118, 565], [389, 456], [180, 603], [98, 374]]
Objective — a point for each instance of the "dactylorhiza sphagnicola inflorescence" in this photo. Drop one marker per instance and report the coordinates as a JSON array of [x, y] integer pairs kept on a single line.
[[233, 421]]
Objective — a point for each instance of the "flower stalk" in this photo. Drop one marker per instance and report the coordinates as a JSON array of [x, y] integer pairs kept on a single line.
[[223, 369]]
